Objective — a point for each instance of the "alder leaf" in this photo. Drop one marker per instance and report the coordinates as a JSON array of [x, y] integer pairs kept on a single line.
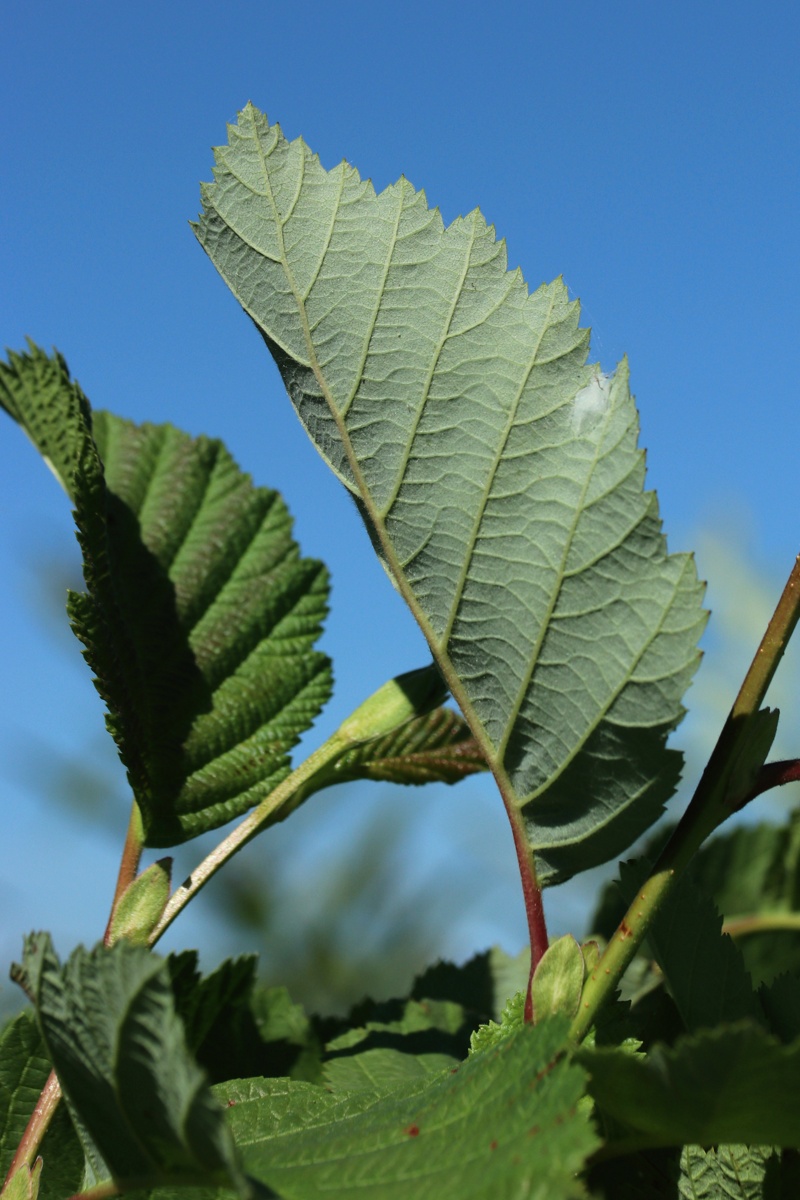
[[505, 1123], [200, 616], [109, 1022], [498, 475], [734, 1084]]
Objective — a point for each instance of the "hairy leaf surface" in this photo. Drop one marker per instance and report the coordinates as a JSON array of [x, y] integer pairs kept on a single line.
[[200, 616], [108, 1019], [502, 1124], [498, 474]]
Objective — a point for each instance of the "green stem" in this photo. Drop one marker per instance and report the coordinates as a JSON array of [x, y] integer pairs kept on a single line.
[[710, 805], [275, 807], [394, 704], [762, 923]]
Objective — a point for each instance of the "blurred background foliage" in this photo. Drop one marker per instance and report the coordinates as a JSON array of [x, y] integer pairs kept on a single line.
[[368, 884]]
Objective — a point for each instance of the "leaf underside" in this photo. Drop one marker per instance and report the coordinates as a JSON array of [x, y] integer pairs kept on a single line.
[[498, 474], [200, 616]]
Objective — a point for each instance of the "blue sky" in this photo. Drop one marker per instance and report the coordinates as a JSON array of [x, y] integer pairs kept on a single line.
[[646, 153]]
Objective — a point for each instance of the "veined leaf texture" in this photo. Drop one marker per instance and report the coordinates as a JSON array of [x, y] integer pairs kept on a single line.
[[498, 474]]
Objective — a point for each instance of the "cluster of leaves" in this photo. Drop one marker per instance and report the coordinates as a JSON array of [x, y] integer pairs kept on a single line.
[[500, 480]]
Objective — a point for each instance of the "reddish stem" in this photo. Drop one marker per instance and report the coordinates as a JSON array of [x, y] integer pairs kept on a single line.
[[36, 1128], [534, 909], [774, 774], [129, 863]]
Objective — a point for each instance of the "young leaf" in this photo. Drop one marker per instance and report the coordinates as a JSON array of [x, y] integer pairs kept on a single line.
[[436, 748], [734, 1084], [505, 1123], [140, 906], [558, 979], [109, 1022], [498, 475], [200, 616], [37, 392]]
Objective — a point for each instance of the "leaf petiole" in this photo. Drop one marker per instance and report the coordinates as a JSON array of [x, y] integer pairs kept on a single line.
[[392, 705]]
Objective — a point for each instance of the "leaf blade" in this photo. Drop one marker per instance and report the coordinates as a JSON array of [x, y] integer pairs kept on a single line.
[[200, 617], [499, 478], [109, 1021]]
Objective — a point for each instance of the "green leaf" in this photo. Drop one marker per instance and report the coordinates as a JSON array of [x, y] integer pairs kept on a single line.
[[200, 617], [482, 986], [24, 1068], [383, 1070], [436, 748], [704, 967], [558, 979], [498, 475], [729, 1173], [397, 1042], [735, 1084], [109, 1022], [37, 392], [502, 1124]]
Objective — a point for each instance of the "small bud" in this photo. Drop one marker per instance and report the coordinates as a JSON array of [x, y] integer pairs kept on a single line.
[[140, 907]]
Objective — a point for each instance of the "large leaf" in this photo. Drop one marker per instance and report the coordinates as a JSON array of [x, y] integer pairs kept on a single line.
[[200, 616], [498, 474], [109, 1022], [505, 1123]]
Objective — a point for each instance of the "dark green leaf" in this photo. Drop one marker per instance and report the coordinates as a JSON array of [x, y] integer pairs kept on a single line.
[[752, 871], [498, 475], [24, 1068], [730, 1085], [200, 617], [482, 986], [37, 391], [108, 1019], [780, 1001], [704, 967]]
